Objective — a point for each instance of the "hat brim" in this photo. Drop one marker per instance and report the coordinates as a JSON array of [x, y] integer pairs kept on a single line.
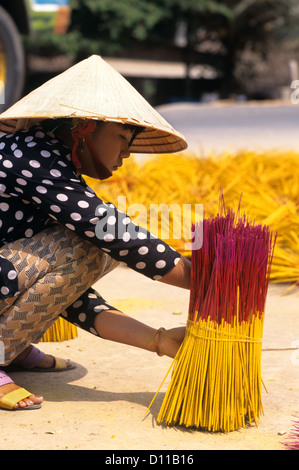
[[92, 89]]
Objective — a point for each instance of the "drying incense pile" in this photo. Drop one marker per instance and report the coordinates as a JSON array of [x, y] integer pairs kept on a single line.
[[61, 330], [216, 378], [293, 442], [268, 181]]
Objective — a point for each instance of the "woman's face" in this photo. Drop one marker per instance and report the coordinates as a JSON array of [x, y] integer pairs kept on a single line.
[[110, 142]]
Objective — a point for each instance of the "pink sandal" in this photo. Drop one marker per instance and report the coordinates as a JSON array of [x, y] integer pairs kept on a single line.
[[33, 358], [9, 401]]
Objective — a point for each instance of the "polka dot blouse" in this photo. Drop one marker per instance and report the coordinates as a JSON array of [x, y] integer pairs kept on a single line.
[[39, 185]]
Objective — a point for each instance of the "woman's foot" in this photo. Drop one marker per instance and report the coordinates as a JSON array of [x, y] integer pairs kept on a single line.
[[31, 400], [47, 361]]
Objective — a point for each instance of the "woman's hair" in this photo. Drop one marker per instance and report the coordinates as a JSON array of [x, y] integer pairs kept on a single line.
[[54, 125]]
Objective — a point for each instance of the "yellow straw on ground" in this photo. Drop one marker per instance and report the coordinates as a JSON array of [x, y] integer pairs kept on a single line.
[[268, 181], [61, 330]]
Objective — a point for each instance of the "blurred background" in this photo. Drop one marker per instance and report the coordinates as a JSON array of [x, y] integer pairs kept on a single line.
[[170, 50]]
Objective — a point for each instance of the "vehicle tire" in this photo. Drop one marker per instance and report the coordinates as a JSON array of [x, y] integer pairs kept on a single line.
[[12, 61]]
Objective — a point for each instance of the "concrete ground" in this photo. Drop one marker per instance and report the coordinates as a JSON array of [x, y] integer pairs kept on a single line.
[[101, 405]]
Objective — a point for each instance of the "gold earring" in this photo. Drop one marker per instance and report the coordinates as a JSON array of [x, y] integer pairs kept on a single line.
[[81, 143]]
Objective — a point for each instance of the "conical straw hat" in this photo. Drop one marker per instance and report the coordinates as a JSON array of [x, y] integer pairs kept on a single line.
[[93, 89]]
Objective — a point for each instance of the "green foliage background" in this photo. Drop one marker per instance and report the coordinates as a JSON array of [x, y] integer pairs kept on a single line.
[[118, 27]]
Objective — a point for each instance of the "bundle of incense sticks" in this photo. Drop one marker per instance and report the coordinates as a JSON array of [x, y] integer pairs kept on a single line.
[[216, 374]]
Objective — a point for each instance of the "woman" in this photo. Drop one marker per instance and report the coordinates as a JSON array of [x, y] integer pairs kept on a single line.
[[57, 236]]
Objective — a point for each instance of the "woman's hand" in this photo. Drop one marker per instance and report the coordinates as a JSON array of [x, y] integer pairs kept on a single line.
[[170, 341]]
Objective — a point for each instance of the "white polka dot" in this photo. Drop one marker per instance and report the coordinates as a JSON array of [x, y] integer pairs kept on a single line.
[[62, 197], [77, 304], [12, 274], [21, 181], [123, 252], [88, 194], [55, 173], [89, 234], [34, 163], [10, 229], [48, 182], [19, 215], [92, 296], [106, 250], [70, 226], [141, 235], [30, 219], [7, 164], [69, 188], [45, 154], [82, 317], [4, 207], [98, 308], [143, 250], [39, 134], [101, 210], [126, 220], [60, 162], [31, 144], [41, 189], [94, 221], [29, 138], [176, 260], [157, 277], [2, 187], [13, 147], [27, 173], [2, 174], [37, 199], [111, 220], [18, 153], [160, 264], [108, 237], [93, 331], [140, 265], [160, 248], [75, 216], [83, 204], [55, 208], [2, 145], [4, 290], [126, 237], [29, 233]]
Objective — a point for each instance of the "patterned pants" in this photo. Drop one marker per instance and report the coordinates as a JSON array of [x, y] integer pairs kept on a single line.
[[56, 270]]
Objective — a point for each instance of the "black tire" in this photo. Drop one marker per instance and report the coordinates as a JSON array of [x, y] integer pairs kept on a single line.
[[14, 58]]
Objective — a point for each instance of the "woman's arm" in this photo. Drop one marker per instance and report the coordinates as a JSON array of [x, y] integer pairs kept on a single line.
[[179, 276]]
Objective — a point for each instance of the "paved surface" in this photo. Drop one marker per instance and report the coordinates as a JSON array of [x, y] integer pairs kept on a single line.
[[220, 127]]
